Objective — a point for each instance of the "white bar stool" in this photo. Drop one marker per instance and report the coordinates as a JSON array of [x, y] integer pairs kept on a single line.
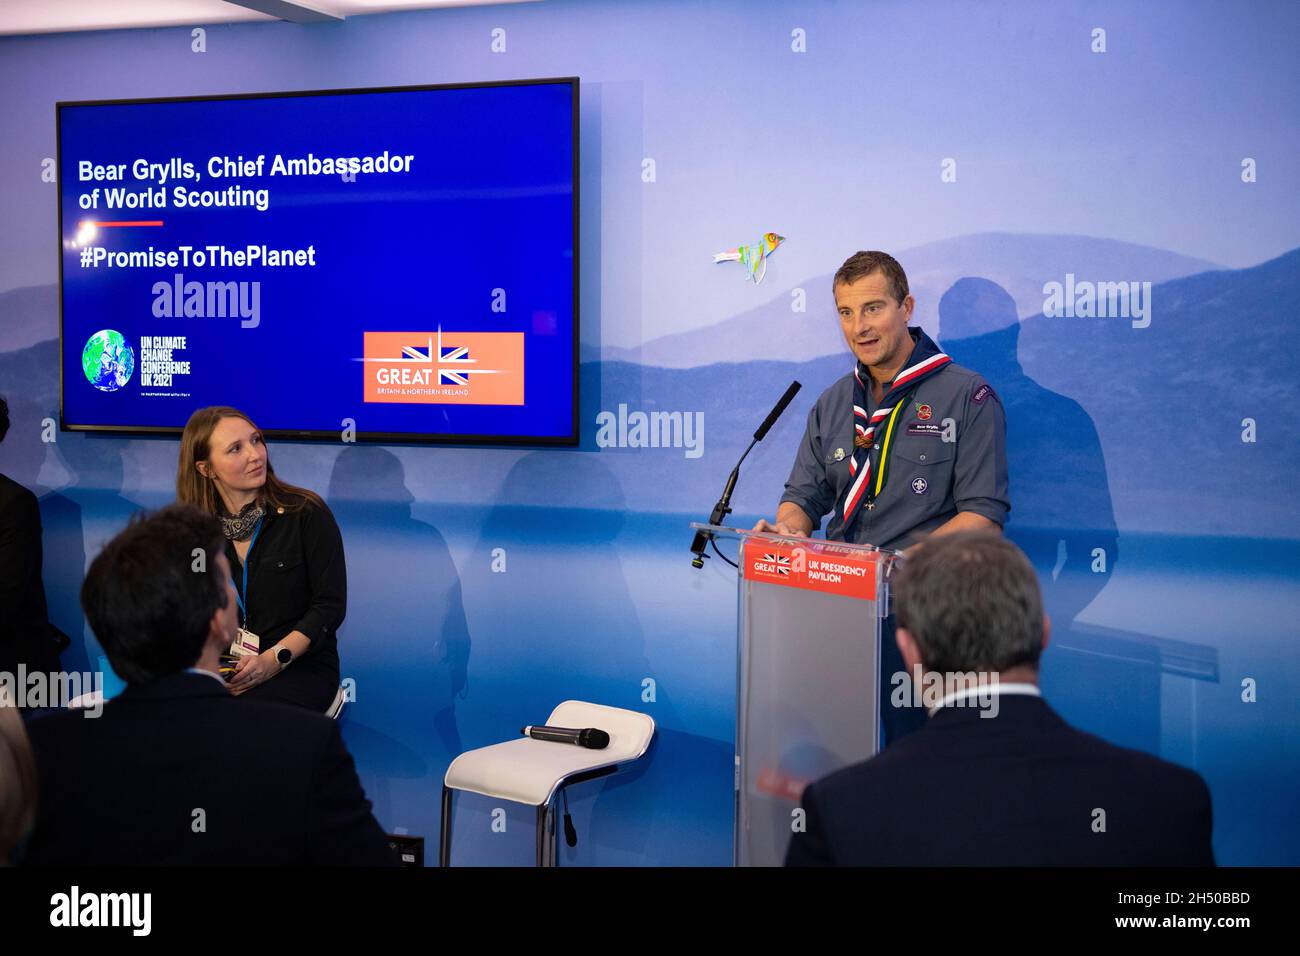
[[534, 772]]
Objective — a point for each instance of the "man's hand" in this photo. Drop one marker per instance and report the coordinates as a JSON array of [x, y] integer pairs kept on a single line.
[[779, 527], [966, 521], [961, 521], [790, 520]]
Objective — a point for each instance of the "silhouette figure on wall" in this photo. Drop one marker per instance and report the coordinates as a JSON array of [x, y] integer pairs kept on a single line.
[[406, 615], [86, 513], [1062, 517], [560, 622], [27, 638]]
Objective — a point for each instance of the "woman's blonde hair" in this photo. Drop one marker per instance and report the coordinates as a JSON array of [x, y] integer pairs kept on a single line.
[[193, 488], [17, 779]]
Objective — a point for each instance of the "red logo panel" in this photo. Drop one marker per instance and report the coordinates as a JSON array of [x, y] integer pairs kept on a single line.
[[812, 565]]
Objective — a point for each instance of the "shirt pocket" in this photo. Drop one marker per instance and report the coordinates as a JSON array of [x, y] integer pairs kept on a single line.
[[286, 573], [925, 470]]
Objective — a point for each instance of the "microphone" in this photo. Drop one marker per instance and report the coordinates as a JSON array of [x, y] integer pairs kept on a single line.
[[774, 414], [723, 507], [589, 737]]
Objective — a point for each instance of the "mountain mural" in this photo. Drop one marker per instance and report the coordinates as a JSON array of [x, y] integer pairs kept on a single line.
[[28, 315], [1095, 439], [1021, 264]]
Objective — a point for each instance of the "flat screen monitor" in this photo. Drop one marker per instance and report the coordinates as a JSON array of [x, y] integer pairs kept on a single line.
[[385, 264]]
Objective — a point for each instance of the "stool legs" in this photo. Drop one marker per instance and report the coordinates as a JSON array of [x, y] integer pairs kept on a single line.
[[555, 830], [541, 835], [548, 827], [548, 851], [444, 830]]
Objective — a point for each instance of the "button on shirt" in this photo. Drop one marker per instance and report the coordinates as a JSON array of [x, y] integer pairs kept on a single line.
[[948, 456]]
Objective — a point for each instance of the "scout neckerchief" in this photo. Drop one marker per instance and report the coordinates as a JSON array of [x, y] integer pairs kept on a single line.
[[868, 480]]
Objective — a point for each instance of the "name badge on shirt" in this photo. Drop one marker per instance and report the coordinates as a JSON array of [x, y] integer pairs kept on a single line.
[[245, 643]]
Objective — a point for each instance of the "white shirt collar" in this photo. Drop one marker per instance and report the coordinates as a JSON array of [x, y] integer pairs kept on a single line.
[[982, 690], [199, 670]]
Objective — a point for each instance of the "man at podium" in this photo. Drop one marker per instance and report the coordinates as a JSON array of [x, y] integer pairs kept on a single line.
[[906, 445]]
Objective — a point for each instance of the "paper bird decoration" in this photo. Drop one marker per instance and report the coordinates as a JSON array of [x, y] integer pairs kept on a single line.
[[753, 257]]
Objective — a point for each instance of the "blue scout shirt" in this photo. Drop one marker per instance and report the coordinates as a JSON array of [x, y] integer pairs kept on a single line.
[[949, 455]]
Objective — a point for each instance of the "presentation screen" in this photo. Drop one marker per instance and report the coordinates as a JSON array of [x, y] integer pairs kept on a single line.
[[388, 264]]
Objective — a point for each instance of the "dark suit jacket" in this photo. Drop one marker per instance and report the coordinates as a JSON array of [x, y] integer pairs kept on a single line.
[[25, 632], [274, 783], [1018, 789]]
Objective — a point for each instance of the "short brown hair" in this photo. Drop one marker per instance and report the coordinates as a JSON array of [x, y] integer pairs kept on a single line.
[[971, 602], [862, 264], [147, 600]]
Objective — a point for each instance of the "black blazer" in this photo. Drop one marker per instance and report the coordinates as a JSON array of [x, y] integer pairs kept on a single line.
[[1018, 789], [26, 635], [297, 577], [180, 772], [297, 581]]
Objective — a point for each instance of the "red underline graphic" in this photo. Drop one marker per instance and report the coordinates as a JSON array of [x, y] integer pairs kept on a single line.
[[130, 222]]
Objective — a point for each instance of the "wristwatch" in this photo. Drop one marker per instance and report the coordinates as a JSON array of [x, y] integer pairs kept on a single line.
[[283, 655]]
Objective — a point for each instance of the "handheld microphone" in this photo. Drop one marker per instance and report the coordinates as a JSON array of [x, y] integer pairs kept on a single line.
[[723, 507], [590, 737]]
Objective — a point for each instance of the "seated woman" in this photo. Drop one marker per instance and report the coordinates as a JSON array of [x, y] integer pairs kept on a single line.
[[286, 556]]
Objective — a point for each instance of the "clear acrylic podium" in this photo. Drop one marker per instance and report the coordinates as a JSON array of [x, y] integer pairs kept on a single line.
[[807, 686]]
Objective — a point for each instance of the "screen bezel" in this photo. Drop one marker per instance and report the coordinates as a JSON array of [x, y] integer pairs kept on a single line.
[[570, 440]]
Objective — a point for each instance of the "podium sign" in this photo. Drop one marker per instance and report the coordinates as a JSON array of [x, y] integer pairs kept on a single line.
[[808, 659], [813, 566]]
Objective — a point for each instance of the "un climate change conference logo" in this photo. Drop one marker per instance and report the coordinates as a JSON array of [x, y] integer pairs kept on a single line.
[[107, 360]]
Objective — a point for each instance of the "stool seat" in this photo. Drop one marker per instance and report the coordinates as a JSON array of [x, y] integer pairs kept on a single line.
[[532, 772], [529, 771]]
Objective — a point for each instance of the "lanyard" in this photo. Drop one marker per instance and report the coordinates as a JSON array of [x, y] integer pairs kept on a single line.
[[886, 446], [242, 598]]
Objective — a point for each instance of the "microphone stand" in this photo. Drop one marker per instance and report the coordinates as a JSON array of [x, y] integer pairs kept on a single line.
[[723, 507]]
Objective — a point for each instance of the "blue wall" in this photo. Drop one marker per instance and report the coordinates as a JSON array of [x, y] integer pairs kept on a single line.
[[1125, 441]]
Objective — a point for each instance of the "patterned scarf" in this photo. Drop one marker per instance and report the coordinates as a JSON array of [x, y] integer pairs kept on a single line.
[[926, 360], [240, 526]]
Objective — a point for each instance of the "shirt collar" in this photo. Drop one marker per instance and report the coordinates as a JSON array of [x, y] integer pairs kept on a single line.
[[199, 670], [1030, 690], [922, 347]]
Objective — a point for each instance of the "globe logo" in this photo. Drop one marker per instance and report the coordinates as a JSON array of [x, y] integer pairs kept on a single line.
[[107, 360]]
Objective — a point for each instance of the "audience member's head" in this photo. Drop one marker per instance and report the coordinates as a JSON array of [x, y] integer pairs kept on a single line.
[[159, 594], [17, 780], [970, 602]]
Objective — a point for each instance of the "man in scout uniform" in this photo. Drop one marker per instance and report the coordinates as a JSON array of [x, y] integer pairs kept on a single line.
[[906, 445]]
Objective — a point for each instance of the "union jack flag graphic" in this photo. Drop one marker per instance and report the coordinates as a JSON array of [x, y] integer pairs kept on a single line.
[[454, 353], [782, 562], [478, 368]]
